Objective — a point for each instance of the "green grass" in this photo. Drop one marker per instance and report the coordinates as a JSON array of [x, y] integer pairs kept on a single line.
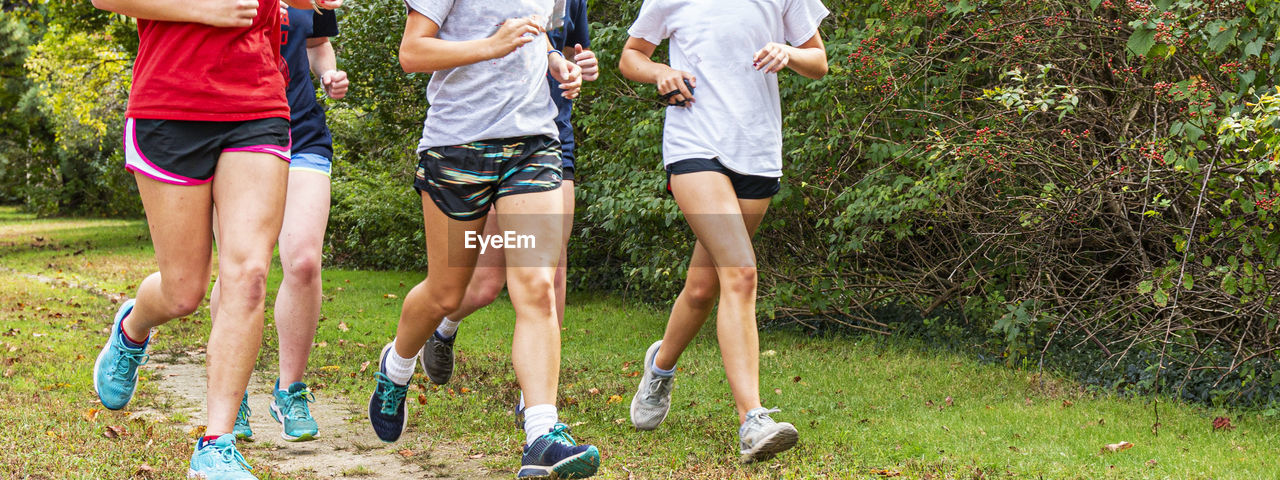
[[864, 406]]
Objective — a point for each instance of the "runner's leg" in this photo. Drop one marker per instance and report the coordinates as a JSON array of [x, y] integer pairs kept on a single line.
[[178, 218], [297, 307], [249, 189], [488, 279], [718, 218], [562, 268], [450, 265], [535, 348]]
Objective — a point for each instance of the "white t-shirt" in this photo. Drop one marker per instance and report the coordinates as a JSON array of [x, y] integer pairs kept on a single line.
[[500, 98], [737, 115]]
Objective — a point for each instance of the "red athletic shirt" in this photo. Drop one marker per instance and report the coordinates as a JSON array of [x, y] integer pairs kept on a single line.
[[193, 71]]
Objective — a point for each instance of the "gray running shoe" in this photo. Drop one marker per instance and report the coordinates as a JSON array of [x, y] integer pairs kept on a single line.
[[437, 358], [653, 398], [762, 438]]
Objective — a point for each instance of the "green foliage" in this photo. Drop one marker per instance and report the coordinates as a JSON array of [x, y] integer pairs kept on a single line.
[[1048, 168]]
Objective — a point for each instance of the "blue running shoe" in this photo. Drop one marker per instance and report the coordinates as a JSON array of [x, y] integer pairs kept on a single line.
[[556, 455], [115, 373], [219, 460], [241, 428], [291, 409], [386, 405]]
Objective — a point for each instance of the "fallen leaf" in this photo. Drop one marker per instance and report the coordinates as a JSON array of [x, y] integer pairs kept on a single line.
[[615, 398], [476, 456], [594, 391], [1067, 404], [1222, 423], [768, 353], [1116, 447], [343, 326], [196, 431], [777, 391], [364, 366], [465, 390], [422, 399], [330, 368], [406, 453], [1151, 463], [796, 380], [950, 401], [390, 295], [144, 470], [886, 473], [91, 414], [114, 431]]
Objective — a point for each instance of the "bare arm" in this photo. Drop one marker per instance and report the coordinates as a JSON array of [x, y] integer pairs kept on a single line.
[[218, 13], [320, 55], [324, 65], [637, 65], [808, 59], [421, 51]]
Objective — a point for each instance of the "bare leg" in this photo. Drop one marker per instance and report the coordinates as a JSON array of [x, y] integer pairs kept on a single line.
[[562, 268], [183, 244], [297, 308], [720, 220], [249, 189], [488, 279], [450, 265], [535, 349]]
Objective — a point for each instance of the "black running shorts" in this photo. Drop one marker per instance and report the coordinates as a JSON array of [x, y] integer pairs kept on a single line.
[[465, 180]]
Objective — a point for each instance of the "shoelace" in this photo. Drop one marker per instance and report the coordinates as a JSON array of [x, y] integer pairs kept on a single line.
[[390, 394], [764, 415], [130, 360], [560, 433], [658, 388], [231, 459], [298, 404], [441, 352]]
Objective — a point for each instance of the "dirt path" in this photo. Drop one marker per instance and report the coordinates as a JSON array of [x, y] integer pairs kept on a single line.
[[345, 448]]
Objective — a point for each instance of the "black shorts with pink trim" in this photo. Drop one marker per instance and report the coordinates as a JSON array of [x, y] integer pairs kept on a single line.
[[181, 152]]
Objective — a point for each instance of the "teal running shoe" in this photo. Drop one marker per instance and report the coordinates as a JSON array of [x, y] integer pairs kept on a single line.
[[241, 428], [556, 455], [115, 373], [219, 460], [290, 408]]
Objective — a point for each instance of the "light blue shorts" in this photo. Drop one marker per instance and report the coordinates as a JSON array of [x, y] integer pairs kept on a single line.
[[311, 162]]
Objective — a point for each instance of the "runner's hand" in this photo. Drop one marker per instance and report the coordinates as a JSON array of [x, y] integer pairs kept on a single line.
[[513, 34], [672, 80], [231, 13], [587, 60], [569, 75], [335, 83], [329, 4], [772, 58]]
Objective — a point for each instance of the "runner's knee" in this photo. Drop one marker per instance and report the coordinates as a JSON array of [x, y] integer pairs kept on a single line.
[[245, 282], [739, 280], [701, 293], [303, 267]]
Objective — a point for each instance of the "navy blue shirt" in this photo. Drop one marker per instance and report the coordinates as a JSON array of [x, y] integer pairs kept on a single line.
[[306, 122], [574, 32]]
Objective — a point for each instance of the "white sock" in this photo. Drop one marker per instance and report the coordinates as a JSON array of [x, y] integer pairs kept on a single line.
[[400, 369], [538, 420], [447, 328]]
